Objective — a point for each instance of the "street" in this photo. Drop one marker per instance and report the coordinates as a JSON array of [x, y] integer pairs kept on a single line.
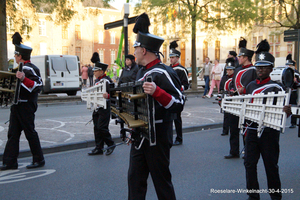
[[198, 171]]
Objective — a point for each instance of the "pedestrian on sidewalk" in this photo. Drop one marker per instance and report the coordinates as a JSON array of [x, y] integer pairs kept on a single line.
[[22, 114], [101, 116], [206, 75], [84, 74], [129, 72], [216, 73], [91, 75]]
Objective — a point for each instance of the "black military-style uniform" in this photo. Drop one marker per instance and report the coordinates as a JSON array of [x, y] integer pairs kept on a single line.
[[128, 74], [294, 96], [101, 118], [156, 159], [225, 88], [241, 78], [183, 77], [22, 117], [267, 146]]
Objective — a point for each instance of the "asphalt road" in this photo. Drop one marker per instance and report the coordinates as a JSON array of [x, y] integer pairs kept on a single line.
[[198, 171]]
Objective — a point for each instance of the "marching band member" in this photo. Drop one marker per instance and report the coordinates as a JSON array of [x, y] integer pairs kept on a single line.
[[168, 100], [268, 144], [183, 77], [243, 75], [294, 95], [225, 88], [23, 113], [101, 116]]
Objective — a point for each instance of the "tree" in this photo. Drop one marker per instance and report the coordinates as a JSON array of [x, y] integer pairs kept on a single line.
[[279, 14], [214, 14]]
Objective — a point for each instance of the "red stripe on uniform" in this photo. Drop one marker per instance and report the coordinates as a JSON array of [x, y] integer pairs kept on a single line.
[[162, 96]]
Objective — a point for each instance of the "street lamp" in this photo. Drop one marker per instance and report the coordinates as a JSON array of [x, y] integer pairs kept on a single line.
[[126, 14]]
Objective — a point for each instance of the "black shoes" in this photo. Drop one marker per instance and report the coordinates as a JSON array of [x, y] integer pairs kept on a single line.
[[292, 126], [176, 143], [36, 164], [224, 134], [230, 156], [95, 152], [7, 167], [110, 151]]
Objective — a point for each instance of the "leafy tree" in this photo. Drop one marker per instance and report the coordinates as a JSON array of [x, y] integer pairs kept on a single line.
[[213, 15]]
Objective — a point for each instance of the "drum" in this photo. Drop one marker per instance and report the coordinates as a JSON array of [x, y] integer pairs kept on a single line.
[[283, 75]]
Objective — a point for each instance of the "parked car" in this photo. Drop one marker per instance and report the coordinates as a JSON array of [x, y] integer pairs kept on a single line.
[[201, 82]]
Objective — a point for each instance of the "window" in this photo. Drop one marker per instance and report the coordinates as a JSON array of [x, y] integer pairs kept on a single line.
[[277, 51], [112, 56], [65, 32], [254, 41], [100, 37], [78, 52], [101, 55], [277, 39], [290, 48], [42, 27], [43, 48], [77, 32], [271, 50], [271, 39], [65, 50], [100, 20], [217, 50], [10, 25], [205, 50], [25, 26], [112, 37]]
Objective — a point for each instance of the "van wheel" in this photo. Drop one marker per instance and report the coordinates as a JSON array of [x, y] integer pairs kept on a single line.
[[72, 93]]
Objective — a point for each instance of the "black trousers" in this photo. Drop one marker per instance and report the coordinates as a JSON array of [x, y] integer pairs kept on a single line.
[[91, 81], [22, 119], [234, 138], [226, 123], [268, 147], [178, 127], [101, 132], [293, 101], [154, 160]]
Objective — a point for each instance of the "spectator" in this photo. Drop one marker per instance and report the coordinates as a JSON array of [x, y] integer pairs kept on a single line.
[[91, 75], [206, 73], [84, 74], [216, 77]]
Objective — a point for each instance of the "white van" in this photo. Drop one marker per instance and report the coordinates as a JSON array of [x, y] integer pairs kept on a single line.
[[60, 73]]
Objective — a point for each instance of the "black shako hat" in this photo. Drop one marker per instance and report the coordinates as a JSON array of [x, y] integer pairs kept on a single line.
[[262, 56], [246, 52], [173, 51], [230, 63], [289, 60], [100, 66], [129, 56], [144, 39], [20, 49]]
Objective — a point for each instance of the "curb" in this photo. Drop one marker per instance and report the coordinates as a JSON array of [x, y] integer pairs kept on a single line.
[[91, 143]]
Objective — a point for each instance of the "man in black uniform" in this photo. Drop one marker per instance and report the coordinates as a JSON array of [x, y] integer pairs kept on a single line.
[[168, 100], [130, 70], [294, 95], [243, 75], [23, 113], [268, 144], [183, 77], [101, 116], [225, 88]]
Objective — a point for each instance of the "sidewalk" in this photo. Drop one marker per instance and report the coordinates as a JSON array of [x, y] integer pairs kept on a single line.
[[68, 133]]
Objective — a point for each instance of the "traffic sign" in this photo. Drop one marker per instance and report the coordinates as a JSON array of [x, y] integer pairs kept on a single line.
[[291, 35]]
